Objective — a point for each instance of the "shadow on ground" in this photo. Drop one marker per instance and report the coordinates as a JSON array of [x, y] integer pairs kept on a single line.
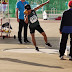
[[28, 63]]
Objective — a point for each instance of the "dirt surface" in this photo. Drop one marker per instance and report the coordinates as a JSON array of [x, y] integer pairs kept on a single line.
[[33, 62]]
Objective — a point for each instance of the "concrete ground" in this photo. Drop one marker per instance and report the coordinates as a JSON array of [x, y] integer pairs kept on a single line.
[[16, 57]]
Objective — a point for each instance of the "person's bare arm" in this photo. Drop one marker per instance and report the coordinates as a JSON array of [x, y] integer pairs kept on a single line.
[[17, 14], [26, 18], [41, 5]]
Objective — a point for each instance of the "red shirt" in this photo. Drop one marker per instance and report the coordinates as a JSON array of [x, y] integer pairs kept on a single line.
[[4, 3]]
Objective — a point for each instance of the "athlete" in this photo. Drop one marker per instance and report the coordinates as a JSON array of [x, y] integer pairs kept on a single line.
[[32, 19]]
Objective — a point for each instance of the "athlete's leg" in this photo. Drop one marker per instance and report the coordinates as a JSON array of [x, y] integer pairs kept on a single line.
[[33, 39], [32, 31], [45, 37], [40, 30]]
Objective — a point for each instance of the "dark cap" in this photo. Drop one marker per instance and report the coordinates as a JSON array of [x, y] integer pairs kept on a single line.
[[27, 6]]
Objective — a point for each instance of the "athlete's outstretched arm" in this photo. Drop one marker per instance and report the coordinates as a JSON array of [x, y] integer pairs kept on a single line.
[[41, 5]]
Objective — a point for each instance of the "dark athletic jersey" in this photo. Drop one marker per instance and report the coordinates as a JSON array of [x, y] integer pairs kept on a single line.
[[33, 19]]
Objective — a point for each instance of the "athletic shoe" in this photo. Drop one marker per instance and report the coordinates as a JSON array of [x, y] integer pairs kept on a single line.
[[62, 58], [20, 42], [70, 59], [37, 48], [48, 44], [26, 41]]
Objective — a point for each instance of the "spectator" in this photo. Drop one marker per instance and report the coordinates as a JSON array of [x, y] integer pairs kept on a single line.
[[20, 19]]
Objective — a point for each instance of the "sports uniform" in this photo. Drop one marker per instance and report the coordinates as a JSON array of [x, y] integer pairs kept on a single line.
[[34, 23]]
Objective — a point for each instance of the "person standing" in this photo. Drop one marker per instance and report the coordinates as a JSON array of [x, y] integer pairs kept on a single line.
[[4, 5], [65, 30], [20, 18]]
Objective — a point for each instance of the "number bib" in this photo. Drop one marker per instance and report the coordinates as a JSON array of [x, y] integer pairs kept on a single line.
[[33, 19]]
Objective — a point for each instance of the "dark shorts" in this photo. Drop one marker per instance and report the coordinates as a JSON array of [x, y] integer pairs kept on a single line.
[[38, 28]]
